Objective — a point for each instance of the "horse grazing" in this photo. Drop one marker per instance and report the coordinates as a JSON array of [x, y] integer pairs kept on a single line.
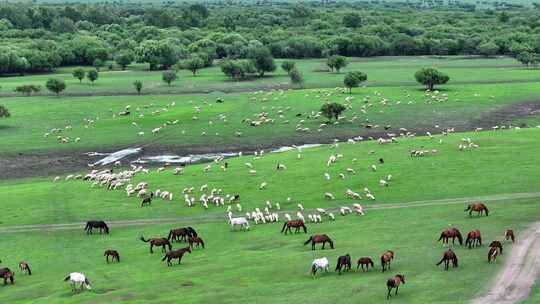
[[112, 253], [297, 224], [176, 254], [473, 238], [319, 238], [509, 235], [343, 262], [386, 259], [394, 283], [163, 242], [24, 267], [498, 245], [478, 208], [7, 274], [78, 278], [196, 240], [365, 261], [239, 221], [181, 234], [448, 256], [492, 254], [451, 233], [147, 200], [321, 264], [96, 224]]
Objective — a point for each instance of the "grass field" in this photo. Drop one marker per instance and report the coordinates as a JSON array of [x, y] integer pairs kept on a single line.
[[383, 71], [251, 266], [42, 220]]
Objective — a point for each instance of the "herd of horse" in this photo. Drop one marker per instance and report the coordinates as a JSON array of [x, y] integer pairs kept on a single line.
[[344, 262]]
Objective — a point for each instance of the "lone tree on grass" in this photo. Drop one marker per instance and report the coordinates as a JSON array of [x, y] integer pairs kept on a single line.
[[4, 112], [124, 58], [353, 80], [138, 86], [288, 66], [336, 62], [430, 77], [332, 110], [79, 73], [55, 85], [92, 75], [193, 64], [296, 77], [169, 76]]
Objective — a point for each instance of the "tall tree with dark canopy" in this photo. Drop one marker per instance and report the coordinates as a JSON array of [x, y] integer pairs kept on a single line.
[[79, 73], [431, 77], [332, 110], [169, 76], [55, 85], [92, 75], [4, 112], [336, 62], [354, 79]]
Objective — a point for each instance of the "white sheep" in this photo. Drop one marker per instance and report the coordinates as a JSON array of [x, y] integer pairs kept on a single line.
[[329, 196]]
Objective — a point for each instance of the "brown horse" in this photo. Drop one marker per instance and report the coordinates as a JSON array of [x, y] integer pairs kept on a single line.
[[478, 208], [498, 245], [509, 235], [449, 256], [297, 224], [319, 238], [386, 259], [394, 283], [112, 253], [163, 242], [7, 274], [492, 254], [474, 238], [451, 233], [176, 254], [24, 267], [343, 262], [181, 234], [196, 240], [365, 261]]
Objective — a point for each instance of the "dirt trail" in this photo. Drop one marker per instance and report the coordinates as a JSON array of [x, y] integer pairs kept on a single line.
[[219, 217], [515, 281]]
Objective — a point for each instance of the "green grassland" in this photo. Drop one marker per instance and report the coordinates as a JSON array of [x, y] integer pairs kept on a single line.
[[263, 266]]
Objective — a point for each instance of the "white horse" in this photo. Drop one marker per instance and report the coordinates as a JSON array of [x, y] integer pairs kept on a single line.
[[78, 278], [321, 264], [238, 221]]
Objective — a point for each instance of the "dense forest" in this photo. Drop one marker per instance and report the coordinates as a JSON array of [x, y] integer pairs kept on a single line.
[[40, 37]]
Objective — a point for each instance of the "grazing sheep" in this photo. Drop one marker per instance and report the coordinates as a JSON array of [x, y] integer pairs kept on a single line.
[[300, 207], [331, 216], [329, 196], [263, 185], [327, 176]]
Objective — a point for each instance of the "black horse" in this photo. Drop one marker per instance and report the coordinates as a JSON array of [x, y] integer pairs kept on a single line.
[[343, 262], [182, 234], [98, 225]]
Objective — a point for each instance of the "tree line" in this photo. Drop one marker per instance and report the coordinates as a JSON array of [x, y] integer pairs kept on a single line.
[[41, 37]]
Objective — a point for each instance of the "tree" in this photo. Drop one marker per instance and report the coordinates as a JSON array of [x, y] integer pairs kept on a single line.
[[332, 110], [430, 77], [237, 69], [352, 20], [296, 77], [288, 66], [353, 80], [488, 49], [98, 63], [55, 85], [124, 58], [336, 62], [192, 64], [92, 75], [4, 112], [262, 59], [79, 74], [138, 86], [169, 76], [28, 89]]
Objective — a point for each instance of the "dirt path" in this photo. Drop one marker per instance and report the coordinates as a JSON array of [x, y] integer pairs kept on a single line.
[[219, 217], [515, 281]]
